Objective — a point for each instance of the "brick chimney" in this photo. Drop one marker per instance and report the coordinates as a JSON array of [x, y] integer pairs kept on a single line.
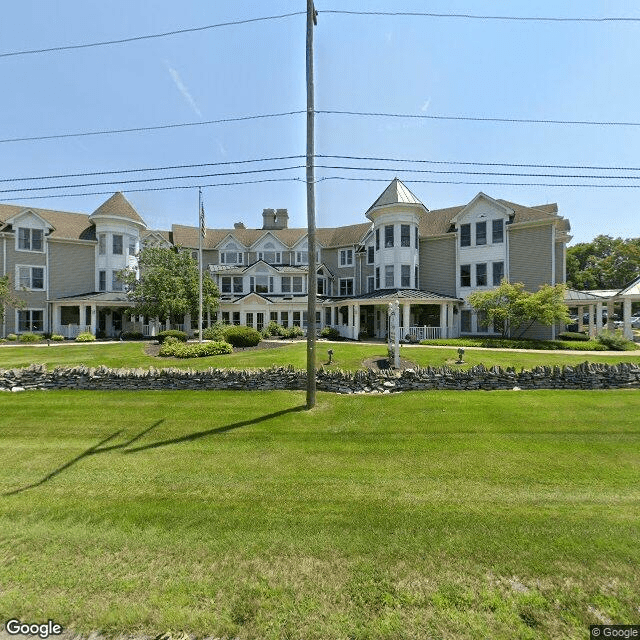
[[275, 219]]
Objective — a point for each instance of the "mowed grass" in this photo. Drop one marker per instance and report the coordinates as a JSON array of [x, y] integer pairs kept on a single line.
[[347, 355], [417, 515]]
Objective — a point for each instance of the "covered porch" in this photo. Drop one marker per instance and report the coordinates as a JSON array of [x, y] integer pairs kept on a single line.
[[423, 315], [101, 314]]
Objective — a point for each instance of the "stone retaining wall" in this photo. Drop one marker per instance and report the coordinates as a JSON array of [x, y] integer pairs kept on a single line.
[[583, 376]]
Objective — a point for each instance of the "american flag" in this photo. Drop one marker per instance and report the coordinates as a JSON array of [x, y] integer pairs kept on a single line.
[[203, 227]]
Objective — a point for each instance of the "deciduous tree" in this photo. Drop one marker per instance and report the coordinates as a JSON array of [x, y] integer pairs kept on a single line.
[[168, 284], [7, 298]]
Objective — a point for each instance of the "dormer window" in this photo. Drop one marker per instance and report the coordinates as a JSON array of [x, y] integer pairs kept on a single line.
[[230, 257], [30, 239]]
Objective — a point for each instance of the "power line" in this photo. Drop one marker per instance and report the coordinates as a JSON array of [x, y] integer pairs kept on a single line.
[[176, 125], [485, 182], [138, 181], [424, 116], [166, 168], [338, 157], [470, 16], [165, 34], [172, 188]]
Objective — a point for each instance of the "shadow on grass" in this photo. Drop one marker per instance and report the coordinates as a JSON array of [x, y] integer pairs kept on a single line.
[[98, 448], [101, 448], [210, 432]]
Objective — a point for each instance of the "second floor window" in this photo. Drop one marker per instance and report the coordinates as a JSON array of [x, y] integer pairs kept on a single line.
[[388, 236], [116, 283], [498, 273], [346, 286], [102, 281], [29, 239], [405, 235], [370, 254], [465, 275], [346, 257], [497, 231], [481, 274], [465, 235], [31, 278], [405, 275], [102, 244], [481, 233], [231, 257], [117, 244], [388, 277]]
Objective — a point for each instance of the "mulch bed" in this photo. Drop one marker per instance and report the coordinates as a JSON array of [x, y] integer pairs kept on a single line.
[[153, 349]]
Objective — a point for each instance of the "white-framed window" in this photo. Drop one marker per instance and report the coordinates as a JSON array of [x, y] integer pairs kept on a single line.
[[102, 244], [30, 320], [259, 284], [346, 257], [377, 277], [117, 245], [297, 284], [481, 233], [321, 290], [132, 247], [465, 275], [371, 284], [405, 235], [465, 235], [116, 283], [370, 254], [30, 239], [102, 280], [388, 276], [302, 257], [231, 257], [498, 273], [481, 274], [465, 321], [346, 286], [405, 275], [388, 236], [30, 278], [482, 325], [497, 231], [270, 257]]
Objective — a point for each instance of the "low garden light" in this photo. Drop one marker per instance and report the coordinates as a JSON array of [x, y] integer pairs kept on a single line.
[[460, 355], [330, 352]]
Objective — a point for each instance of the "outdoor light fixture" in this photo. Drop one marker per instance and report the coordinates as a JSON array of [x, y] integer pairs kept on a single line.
[[460, 355]]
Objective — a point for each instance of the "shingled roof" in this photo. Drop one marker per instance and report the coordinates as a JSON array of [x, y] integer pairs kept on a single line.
[[396, 193], [70, 226], [118, 205]]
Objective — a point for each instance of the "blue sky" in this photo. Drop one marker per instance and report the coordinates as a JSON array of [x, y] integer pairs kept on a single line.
[[411, 65]]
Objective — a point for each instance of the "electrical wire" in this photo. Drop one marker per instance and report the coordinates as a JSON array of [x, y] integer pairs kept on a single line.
[[470, 16], [165, 34]]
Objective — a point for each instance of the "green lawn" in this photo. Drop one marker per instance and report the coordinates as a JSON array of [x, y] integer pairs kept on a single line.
[[427, 515], [347, 355]]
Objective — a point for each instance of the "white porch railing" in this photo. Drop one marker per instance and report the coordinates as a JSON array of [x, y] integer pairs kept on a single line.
[[177, 327], [425, 333], [71, 331], [146, 330]]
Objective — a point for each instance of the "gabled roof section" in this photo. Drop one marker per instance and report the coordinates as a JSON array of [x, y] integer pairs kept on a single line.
[[631, 289], [22, 212], [396, 193], [65, 225], [117, 205], [501, 205]]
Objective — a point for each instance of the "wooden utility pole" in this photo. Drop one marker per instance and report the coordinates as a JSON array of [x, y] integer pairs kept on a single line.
[[312, 286]]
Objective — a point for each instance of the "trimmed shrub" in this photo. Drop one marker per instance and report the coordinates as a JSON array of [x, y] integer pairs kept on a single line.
[[30, 337], [171, 347], [615, 341], [330, 333], [56, 337], [132, 335], [215, 332], [85, 337], [163, 335], [12, 337], [291, 332], [3, 340], [242, 336], [272, 329], [573, 335]]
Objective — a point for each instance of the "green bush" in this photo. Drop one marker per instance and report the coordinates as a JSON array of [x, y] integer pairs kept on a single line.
[[85, 337], [163, 335], [242, 336], [12, 337], [507, 343], [132, 335], [174, 348], [3, 340], [30, 337], [615, 341], [573, 335], [330, 333], [56, 337], [292, 332], [272, 329], [215, 332]]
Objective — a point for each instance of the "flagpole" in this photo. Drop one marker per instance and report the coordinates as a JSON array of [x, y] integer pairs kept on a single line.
[[200, 236]]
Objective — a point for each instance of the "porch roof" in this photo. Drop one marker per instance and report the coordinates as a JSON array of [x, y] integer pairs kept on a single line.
[[389, 295], [113, 298], [575, 295]]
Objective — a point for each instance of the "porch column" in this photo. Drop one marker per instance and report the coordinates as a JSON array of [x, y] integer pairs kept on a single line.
[[83, 317], [580, 322], [626, 309], [187, 324], [406, 321], [350, 319], [443, 319], [94, 319], [167, 324], [592, 327], [599, 317], [356, 321], [610, 312]]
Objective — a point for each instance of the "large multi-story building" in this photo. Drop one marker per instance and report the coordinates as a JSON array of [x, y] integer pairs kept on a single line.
[[65, 265]]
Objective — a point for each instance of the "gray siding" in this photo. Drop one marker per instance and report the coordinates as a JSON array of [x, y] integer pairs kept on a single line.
[[530, 256], [72, 269], [438, 265], [560, 260]]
